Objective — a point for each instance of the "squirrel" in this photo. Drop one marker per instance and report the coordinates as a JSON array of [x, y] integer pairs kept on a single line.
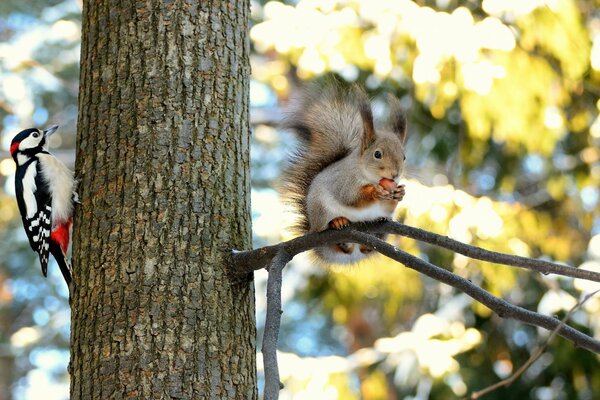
[[344, 170]]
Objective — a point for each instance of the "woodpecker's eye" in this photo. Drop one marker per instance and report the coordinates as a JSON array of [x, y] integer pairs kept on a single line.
[[377, 154], [35, 134]]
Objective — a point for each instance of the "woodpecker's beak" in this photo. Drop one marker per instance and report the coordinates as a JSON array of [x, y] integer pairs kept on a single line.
[[50, 130]]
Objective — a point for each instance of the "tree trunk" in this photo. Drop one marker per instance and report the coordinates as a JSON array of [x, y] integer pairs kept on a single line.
[[162, 159]]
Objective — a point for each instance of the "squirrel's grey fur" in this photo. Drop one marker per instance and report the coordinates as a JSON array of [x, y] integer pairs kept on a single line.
[[334, 125]]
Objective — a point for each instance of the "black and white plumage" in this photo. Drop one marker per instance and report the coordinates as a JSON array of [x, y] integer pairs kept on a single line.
[[45, 191]]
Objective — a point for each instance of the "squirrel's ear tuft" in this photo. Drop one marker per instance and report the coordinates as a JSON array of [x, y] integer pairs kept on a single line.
[[366, 115], [397, 118]]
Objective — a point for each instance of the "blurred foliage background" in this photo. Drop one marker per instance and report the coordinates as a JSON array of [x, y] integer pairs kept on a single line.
[[503, 105]]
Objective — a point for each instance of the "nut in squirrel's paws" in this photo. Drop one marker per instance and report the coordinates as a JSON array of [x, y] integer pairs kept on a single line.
[[389, 190], [388, 184], [339, 223]]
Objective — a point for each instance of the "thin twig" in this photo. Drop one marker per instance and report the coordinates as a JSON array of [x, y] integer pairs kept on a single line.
[[540, 350], [272, 323]]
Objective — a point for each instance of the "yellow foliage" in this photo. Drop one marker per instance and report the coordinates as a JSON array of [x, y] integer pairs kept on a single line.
[[556, 187], [381, 282], [505, 90], [8, 209], [343, 385], [498, 226], [520, 108], [374, 386], [558, 29]]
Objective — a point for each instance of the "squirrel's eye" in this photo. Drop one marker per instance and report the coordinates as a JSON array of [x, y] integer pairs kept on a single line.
[[377, 154], [35, 134], [404, 158]]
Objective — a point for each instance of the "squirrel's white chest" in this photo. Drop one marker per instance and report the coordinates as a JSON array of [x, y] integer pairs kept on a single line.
[[371, 212]]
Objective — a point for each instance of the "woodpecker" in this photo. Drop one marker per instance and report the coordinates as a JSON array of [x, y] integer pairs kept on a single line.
[[45, 191]]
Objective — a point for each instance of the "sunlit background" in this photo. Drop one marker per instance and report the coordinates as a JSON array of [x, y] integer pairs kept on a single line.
[[503, 104]]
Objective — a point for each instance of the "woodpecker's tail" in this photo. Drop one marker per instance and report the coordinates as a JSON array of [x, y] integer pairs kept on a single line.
[[63, 262], [44, 263]]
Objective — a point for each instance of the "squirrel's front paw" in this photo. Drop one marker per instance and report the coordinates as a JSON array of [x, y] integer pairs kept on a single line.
[[339, 223], [382, 194], [399, 193]]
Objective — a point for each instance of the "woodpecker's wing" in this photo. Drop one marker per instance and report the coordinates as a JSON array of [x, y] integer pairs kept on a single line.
[[35, 205], [38, 231]]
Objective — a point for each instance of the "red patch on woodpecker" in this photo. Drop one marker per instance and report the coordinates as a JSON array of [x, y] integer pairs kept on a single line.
[[14, 147], [61, 235]]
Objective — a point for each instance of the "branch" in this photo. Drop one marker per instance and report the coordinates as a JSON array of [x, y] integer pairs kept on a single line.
[[508, 381], [247, 261], [272, 323], [545, 267], [251, 260], [501, 307], [279, 255]]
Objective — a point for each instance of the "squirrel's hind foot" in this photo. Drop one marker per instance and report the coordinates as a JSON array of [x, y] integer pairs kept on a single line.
[[345, 248], [339, 223]]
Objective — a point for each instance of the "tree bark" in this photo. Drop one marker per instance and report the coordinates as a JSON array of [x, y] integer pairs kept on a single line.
[[163, 165]]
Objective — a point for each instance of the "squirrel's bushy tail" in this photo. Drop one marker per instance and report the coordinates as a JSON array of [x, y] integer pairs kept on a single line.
[[327, 121]]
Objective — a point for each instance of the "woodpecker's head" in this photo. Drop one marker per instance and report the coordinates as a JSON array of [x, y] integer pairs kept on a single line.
[[30, 141]]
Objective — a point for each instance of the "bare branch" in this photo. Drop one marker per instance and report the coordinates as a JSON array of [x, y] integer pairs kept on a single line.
[[508, 381], [501, 307], [247, 261], [545, 267], [272, 323], [279, 255]]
